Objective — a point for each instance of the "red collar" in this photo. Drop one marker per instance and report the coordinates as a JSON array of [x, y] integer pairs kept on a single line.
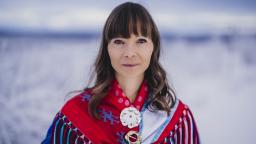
[[119, 100]]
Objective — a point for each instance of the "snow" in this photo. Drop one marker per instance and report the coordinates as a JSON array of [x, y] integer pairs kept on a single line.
[[216, 79]]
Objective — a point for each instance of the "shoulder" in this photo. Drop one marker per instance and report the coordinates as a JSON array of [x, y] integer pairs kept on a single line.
[[65, 124], [181, 114], [185, 128], [76, 108], [181, 124], [180, 109], [80, 100]]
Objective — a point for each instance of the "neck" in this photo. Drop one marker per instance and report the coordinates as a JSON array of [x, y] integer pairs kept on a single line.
[[130, 85]]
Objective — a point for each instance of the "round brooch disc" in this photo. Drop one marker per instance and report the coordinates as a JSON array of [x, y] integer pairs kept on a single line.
[[130, 117], [132, 137]]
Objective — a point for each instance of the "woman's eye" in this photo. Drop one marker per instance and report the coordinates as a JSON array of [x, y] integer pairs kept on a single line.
[[141, 41], [118, 42]]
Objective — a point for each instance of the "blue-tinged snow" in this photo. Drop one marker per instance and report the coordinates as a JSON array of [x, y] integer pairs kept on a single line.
[[216, 78]]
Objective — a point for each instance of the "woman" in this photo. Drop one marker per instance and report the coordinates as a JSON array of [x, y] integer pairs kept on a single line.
[[131, 101]]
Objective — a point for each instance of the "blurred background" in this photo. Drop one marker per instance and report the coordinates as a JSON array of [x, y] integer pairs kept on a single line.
[[208, 49]]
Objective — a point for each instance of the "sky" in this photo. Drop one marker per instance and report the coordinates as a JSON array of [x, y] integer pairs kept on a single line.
[[173, 15]]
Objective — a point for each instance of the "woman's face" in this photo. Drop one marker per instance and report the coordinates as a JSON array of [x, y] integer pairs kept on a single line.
[[130, 57]]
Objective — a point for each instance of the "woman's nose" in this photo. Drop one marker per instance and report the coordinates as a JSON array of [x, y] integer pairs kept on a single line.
[[130, 50]]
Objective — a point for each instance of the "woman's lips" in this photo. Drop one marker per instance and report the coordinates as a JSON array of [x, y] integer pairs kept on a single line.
[[129, 65]]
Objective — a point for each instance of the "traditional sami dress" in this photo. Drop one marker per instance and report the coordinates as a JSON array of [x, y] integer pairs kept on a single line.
[[73, 124]]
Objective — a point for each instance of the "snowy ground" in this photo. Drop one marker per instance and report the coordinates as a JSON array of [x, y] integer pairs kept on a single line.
[[217, 80]]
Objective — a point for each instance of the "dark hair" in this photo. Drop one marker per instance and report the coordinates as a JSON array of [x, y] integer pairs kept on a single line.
[[124, 20]]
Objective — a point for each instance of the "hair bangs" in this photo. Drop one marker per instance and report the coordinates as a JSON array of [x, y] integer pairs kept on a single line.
[[128, 21]]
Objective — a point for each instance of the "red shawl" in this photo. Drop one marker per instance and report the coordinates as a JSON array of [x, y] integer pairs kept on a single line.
[[73, 122]]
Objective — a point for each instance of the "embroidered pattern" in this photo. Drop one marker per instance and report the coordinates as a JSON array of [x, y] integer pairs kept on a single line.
[[108, 116], [86, 97]]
